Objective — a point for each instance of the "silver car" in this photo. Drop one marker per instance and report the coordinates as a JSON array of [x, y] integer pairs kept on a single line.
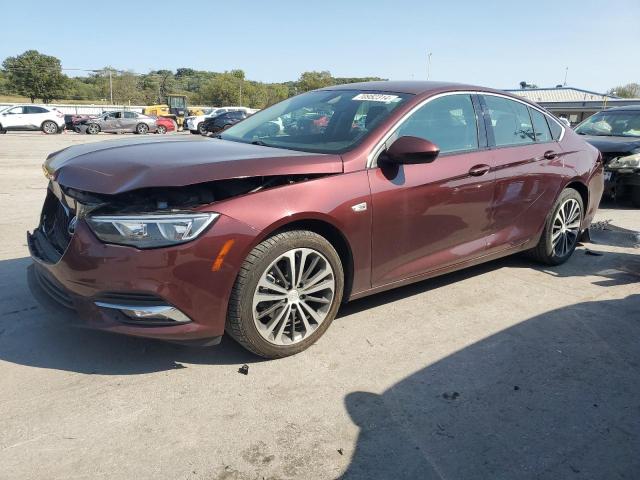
[[119, 122]]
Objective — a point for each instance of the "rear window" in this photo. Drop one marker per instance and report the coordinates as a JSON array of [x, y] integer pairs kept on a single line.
[[540, 126], [510, 121]]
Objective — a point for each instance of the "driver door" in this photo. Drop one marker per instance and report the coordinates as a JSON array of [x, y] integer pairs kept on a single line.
[[432, 215], [110, 122], [13, 118]]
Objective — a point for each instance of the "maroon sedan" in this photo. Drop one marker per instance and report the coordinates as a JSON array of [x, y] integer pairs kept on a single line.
[[266, 229]]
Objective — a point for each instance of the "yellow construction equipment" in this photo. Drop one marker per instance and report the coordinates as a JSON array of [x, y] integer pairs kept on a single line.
[[174, 108]]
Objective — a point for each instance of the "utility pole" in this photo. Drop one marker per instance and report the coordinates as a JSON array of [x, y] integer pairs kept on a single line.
[[428, 65], [110, 87], [566, 71]]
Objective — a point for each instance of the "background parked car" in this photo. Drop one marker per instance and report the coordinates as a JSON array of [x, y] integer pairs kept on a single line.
[[165, 125], [71, 120], [32, 117], [119, 122], [616, 133], [195, 124], [219, 123]]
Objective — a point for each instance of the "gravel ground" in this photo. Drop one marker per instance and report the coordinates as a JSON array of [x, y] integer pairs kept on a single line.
[[506, 370]]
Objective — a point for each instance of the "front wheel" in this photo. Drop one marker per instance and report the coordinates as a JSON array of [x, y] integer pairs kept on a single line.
[[49, 127], [287, 293], [201, 128], [561, 230], [93, 129]]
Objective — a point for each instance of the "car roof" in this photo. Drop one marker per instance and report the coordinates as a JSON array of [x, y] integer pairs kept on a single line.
[[414, 87]]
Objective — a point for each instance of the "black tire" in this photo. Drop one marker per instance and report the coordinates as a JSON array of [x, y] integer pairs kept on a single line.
[[161, 129], [545, 252], [635, 196], [2, 130], [201, 129], [49, 127], [240, 324], [142, 129]]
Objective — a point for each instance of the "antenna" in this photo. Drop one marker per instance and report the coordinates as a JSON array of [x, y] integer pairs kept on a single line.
[[428, 65], [566, 71]]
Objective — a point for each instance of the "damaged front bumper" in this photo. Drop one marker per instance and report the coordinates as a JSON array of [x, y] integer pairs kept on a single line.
[[170, 293]]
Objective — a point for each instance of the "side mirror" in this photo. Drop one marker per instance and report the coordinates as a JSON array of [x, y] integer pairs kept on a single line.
[[411, 150]]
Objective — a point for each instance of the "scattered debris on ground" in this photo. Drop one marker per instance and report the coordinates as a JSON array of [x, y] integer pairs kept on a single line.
[[244, 369]]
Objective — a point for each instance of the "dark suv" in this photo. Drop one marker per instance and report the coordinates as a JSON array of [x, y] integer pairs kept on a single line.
[[221, 122], [616, 133]]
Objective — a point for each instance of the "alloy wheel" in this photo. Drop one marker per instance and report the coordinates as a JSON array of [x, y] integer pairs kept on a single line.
[[92, 129], [162, 129], [143, 128], [566, 227], [293, 296], [49, 128]]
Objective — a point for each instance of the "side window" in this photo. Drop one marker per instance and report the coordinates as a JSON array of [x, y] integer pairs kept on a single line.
[[34, 110], [510, 121], [556, 130], [540, 127], [130, 115], [16, 110], [449, 122]]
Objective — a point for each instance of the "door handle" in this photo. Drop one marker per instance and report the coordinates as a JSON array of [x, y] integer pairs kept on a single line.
[[479, 170], [550, 155]]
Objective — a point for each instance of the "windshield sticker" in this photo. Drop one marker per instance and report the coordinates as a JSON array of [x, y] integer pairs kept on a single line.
[[376, 97]]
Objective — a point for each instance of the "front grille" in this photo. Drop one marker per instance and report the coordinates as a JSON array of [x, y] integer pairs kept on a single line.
[[56, 292], [55, 222]]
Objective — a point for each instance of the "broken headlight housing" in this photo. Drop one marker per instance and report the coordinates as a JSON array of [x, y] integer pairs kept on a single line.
[[630, 161], [150, 231]]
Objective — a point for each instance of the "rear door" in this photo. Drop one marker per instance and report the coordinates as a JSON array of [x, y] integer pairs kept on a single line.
[[528, 169], [432, 215], [128, 121]]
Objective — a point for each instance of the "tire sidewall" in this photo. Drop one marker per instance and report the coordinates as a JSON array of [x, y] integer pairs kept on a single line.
[[566, 194], [295, 239]]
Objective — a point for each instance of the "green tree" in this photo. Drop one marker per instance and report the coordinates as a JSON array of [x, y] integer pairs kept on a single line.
[[312, 80], [35, 75], [630, 90]]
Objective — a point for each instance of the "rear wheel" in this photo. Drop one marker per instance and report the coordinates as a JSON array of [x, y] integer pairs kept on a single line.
[[287, 293], [49, 127], [161, 129], [562, 229], [142, 128]]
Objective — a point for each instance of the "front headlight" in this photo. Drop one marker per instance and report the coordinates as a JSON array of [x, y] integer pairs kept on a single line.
[[630, 161], [150, 231]]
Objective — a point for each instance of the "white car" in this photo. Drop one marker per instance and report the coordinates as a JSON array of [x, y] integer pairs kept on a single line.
[[32, 117], [195, 124]]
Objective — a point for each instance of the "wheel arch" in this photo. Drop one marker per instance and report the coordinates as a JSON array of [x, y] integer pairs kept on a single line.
[[325, 229], [582, 189]]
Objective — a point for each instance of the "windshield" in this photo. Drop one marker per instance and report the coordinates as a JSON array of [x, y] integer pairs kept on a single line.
[[325, 121], [612, 124]]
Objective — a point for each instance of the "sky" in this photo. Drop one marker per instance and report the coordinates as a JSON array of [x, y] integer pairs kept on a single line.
[[496, 44]]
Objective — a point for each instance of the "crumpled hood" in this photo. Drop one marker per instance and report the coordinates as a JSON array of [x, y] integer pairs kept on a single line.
[[613, 144], [118, 166]]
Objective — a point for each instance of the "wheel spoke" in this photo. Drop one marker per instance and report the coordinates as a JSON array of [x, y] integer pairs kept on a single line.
[[271, 309], [310, 268], [319, 287], [283, 314], [269, 285], [311, 312], [286, 282], [305, 322], [268, 297], [309, 298]]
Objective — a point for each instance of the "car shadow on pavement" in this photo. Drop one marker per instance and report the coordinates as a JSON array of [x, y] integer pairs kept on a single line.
[[554, 397]]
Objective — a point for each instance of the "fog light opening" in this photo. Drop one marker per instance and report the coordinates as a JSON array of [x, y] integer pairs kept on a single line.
[[165, 314]]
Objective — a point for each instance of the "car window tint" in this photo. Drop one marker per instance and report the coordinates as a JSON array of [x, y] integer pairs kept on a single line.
[[510, 121], [130, 115], [31, 109], [556, 129], [449, 122], [540, 127]]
